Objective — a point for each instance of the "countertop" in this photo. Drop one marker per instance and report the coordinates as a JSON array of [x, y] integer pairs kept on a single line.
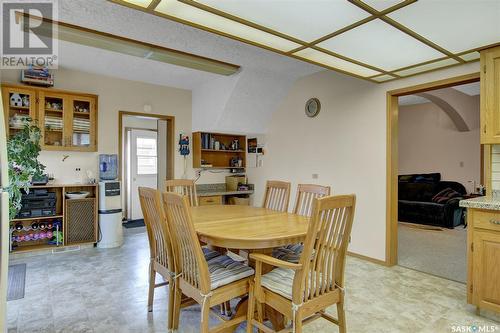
[[487, 202], [210, 193], [206, 190]]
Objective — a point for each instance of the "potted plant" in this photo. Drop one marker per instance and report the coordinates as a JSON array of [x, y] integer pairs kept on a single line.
[[22, 150]]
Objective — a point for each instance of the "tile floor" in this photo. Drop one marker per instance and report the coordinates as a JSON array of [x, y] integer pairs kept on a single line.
[[97, 290]]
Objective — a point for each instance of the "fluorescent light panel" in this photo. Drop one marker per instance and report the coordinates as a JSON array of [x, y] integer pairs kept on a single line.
[[383, 78], [215, 22], [304, 20], [140, 3], [471, 56], [457, 25], [381, 5], [380, 45], [331, 61], [427, 67]]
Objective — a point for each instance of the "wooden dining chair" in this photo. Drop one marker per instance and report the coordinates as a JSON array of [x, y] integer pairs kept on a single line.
[[306, 193], [185, 187], [277, 195], [208, 282], [304, 290], [161, 257]]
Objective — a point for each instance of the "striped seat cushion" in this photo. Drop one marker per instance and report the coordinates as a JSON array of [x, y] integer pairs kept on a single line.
[[209, 254], [290, 253], [280, 281], [224, 270]]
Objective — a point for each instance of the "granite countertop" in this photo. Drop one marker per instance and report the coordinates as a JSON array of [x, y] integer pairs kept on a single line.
[[205, 190], [210, 193], [487, 202]]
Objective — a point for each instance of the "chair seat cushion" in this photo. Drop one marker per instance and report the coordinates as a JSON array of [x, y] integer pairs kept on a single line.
[[290, 253], [224, 270], [280, 281], [209, 254]]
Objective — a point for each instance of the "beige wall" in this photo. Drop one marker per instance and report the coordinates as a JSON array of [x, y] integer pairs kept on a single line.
[[345, 145], [429, 142]]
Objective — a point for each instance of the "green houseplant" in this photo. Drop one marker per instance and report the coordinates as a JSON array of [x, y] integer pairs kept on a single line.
[[22, 150]]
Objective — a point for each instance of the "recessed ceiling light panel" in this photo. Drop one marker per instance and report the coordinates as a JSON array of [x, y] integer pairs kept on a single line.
[[457, 25], [427, 67], [305, 20], [221, 24], [380, 45], [140, 3], [381, 5], [331, 61]]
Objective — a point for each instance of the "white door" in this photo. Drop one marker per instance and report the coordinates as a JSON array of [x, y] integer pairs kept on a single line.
[[143, 167]]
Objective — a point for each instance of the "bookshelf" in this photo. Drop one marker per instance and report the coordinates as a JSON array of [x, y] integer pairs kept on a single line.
[[219, 151]]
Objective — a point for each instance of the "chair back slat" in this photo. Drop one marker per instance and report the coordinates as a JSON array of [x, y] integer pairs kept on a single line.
[[191, 263], [185, 187], [306, 193], [277, 195], [160, 244], [325, 247]]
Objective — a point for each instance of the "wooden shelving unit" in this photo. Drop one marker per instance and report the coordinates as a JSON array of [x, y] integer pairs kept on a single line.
[[204, 153], [61, 215], [68, 120]]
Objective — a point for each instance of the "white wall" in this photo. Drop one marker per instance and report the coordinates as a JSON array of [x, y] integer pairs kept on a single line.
[[429, 142], [345, 145]]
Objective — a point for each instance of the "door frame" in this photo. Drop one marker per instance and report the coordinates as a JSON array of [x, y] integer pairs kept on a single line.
[[170, 142], [391, 241], [125, 168]]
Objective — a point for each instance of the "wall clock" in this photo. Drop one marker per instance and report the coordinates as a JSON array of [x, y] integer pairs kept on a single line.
[[313, 106]]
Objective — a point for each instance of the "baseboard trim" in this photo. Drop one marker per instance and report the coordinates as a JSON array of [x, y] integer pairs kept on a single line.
[[370, 259]]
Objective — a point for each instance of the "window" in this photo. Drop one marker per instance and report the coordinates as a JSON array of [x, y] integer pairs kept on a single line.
[[146, 156]]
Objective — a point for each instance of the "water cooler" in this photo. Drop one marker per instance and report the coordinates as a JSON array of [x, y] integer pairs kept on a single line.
[[110, 203]]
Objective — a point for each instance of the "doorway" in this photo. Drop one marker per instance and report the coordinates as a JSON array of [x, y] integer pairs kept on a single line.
[[393, 155], [146, 156], [141, 162]]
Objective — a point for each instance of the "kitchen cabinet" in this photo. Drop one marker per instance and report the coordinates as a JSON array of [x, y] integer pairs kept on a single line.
[[210, 200], [18, 103], [490, 96], [68, 120], [483, 257]]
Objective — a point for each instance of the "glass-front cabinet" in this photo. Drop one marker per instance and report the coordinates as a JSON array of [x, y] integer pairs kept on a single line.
[[68, 120], [19, 104], [52, 112], [81, 125]]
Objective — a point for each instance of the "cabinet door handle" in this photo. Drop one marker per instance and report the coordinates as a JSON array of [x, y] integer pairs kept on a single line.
[[497, 222]]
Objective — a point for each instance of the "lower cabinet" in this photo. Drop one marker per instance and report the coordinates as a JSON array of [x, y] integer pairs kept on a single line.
[[210, 200], [484, 259]]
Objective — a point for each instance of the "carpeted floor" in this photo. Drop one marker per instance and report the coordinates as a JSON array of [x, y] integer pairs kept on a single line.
[[438, 252]]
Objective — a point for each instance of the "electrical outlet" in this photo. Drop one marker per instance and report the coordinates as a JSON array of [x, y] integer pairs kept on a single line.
[[315, 176]]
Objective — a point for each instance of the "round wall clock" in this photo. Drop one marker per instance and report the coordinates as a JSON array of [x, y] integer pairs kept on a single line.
[[312, 107]]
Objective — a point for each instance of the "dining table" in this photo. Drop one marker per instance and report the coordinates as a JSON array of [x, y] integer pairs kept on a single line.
[[251, 229]]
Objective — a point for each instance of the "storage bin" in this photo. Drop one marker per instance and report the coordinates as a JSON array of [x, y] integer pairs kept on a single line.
[[239, 201], [233, 181]]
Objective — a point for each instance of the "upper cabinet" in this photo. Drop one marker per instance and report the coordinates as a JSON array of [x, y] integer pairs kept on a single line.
[[68, 120], [490, 96], [18, 103]]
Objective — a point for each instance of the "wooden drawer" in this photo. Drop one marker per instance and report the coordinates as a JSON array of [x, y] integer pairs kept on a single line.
[[210, 200], [485, 219]]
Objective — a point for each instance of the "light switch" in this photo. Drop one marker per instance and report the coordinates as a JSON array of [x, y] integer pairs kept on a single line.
[[315, 176]]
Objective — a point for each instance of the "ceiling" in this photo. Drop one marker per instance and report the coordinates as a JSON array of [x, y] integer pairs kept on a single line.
[[377, 40]]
